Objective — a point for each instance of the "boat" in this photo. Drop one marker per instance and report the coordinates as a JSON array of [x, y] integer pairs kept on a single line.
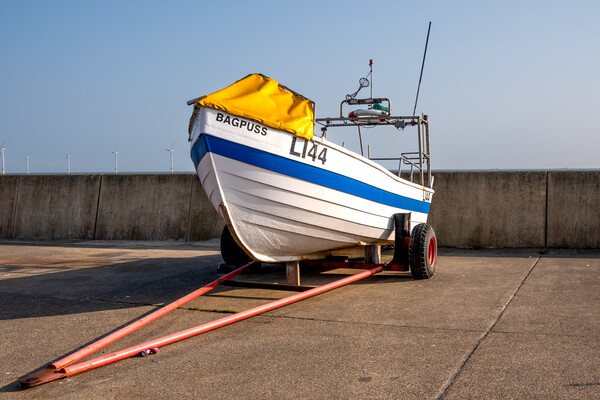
[[287, 194]]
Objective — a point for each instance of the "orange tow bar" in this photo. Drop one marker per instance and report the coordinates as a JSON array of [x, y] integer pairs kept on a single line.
[[63, 368]]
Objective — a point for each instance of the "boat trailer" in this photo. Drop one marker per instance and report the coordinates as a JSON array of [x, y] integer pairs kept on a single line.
[[67, 367]]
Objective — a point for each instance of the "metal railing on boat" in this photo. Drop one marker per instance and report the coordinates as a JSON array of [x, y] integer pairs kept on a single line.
[[418, 161]]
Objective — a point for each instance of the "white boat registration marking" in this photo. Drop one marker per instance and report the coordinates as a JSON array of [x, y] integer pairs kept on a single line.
[[426, 196], [313, 153]]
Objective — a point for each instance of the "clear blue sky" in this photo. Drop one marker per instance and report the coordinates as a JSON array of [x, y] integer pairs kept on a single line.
[[507, 84]]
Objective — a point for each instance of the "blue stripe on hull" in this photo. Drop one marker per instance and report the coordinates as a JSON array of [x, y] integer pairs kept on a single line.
[[272, 162]]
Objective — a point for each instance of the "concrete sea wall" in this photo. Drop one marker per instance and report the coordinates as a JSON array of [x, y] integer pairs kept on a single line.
[[469, 209], [490, 209], [106, 206]]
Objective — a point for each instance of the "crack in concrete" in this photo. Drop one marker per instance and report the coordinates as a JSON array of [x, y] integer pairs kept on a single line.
[[419, 327], [448, 385], [567, 335], [135, 303]]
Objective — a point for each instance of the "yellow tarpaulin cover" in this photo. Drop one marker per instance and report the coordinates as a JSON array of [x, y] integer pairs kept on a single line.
[[265, 100]]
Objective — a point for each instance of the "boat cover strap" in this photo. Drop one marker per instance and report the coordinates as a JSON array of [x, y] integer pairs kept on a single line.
[[262, 99]]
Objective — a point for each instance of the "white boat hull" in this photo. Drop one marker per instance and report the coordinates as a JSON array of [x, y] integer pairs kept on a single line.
[[285, 198]]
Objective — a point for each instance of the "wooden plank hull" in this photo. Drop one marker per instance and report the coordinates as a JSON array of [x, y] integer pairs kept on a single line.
[[285, 198]]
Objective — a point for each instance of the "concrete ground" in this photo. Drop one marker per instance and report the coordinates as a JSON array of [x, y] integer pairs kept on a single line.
[[490, 324]]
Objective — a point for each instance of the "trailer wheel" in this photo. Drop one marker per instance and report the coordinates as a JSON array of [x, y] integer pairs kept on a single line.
[[231, 252], [422, 252]]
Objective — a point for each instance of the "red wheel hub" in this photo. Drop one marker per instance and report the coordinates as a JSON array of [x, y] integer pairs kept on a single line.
[[432, 251]]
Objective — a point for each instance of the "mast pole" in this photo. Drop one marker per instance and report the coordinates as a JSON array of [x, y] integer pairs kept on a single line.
[[422, 66]]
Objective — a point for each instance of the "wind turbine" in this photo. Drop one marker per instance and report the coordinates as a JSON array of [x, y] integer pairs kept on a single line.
[[171, 151], [2, 149], [116, 153], [27, 162], [68, 158]]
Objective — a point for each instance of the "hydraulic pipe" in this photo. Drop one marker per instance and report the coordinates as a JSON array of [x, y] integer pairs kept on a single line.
[[165, 340], [92, 348]]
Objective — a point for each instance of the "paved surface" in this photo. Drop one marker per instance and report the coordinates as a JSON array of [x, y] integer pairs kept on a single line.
[[490, 324]]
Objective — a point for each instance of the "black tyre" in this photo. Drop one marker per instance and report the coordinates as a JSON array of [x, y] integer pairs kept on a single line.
[[231, 252], [422, 252]]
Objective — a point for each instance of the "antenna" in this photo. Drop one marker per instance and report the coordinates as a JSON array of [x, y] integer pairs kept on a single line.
[[371, 74], [171, 151], [2, 149], [422, 66], [116, 153], [68, 158], [27, 163], [363, 83]]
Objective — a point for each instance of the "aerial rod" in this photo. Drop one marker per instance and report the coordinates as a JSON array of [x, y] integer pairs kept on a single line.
[[422, 66], [371, 74]]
